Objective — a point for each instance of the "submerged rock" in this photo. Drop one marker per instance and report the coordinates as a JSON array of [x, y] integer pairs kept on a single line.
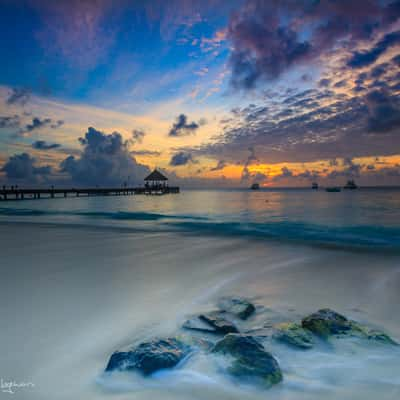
[[149, 357], [251, 362], [219, 322], [294, 335], [237, 306], [198, 324], [376, 335], [326, 322]]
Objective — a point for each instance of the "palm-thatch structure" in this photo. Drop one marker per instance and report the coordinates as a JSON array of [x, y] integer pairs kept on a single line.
[[156, 180]]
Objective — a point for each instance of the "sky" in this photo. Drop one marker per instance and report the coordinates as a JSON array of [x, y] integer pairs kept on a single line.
[[214, 93]]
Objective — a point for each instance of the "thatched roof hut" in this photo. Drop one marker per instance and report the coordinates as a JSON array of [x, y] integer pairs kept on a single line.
[[156, 178]]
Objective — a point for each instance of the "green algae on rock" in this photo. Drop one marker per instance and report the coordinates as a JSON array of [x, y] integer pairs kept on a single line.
[[294, 335], [149, 357], [326, 322], [251, 362]]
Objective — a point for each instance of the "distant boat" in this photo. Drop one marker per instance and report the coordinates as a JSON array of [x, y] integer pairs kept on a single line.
[[333, 189], [314, 185], [350, 185], [255, 186]]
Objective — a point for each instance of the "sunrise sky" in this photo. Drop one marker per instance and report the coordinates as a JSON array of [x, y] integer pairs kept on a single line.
[[212, 92]]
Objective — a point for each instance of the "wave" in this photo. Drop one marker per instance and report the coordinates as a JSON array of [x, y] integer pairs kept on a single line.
[[343, 236], [360, 236], [112, 215]]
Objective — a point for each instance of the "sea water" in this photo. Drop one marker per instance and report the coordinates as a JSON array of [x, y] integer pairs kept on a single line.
[[82, 277]]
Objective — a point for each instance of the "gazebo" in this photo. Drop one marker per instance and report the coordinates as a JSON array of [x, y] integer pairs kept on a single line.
[[156, 180]]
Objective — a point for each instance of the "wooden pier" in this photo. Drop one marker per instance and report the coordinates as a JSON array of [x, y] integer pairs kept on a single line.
[[28, 194]]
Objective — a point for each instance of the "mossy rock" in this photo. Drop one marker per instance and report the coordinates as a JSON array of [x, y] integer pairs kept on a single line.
[[251, 362], [294, 335], [326, 322], [149, 357], [375, 335], [237, 306]]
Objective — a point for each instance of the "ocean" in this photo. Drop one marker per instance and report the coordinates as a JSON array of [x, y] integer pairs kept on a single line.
[[82, 277]]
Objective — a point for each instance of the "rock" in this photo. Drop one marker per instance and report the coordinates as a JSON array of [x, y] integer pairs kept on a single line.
[[217, 320], [239, 307], [198, 324], [380, 337], [251, 362], [293, 334], [376, 335], [149, 357], [326, 322]]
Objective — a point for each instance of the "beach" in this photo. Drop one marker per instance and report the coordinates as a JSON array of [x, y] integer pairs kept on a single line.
[[71, 294]]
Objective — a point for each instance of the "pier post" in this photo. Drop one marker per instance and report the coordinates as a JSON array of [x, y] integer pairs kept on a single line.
[[65, 194]]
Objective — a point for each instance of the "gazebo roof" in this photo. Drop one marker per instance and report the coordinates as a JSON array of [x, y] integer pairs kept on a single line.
[[156, 176]]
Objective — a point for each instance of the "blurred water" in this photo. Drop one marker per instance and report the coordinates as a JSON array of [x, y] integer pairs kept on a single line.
[[364, 217]]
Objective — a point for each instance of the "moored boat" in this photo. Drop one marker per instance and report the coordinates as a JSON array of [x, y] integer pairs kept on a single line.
[[350, 185], [333, 189]]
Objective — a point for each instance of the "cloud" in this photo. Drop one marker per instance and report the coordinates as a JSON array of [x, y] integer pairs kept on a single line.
[[220, 165], [38, 123], [181, 158], [105, 160], [384, 111], [22, 167], [268, 38], [150, 153], [10, 122], [18, 96], [364, 58], [311, 125], [137, 136], [43, 145], [182, 128]]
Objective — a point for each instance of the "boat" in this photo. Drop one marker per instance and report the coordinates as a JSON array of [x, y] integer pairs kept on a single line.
[[314, 185], [350, 185], [333, 189], [255, 186]]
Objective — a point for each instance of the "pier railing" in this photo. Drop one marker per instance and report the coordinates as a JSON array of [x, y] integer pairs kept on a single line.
[[27, 194]]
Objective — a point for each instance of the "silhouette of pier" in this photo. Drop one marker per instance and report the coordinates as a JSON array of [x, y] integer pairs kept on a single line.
[[16, 193], [155, 184]]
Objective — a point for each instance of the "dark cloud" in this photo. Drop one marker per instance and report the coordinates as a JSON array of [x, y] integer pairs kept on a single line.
[[18, 96], [379, 70], [384, 111], [220, 165], [182, 128], [137, 136], [10, 122], [364, 58], [105, 160], [270, 37], [57, 124], [181, 158], [22, 167], [43, 145], [324, 82], [396, 60], [151, 153], [38, 123]]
